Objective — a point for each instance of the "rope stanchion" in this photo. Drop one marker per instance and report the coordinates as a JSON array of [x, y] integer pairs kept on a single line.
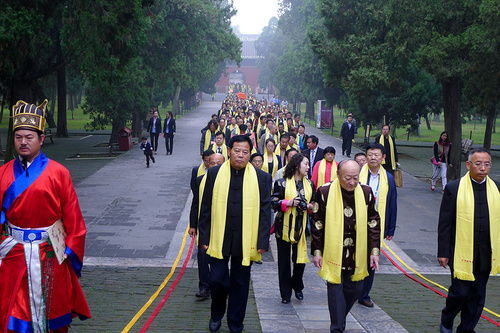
[[160, 288], [167, 295], [426, 285]]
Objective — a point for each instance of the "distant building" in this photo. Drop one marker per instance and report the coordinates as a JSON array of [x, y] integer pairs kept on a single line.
[[247, 73]]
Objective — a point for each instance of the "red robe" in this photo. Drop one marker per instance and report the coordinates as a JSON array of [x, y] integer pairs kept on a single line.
[[49, 198]]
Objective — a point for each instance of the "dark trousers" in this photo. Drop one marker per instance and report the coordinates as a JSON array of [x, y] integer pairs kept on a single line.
[[346, 146], [341, 298], [287, 280], [203, 269], [367, 285], [234, 284], [169, 142], [149, 156], [154, 140], [468, 297]]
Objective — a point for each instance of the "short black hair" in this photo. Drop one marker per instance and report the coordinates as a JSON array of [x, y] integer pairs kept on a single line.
[[290, 150], [376, 145], [302, 125], [314, 139], [285, 135], [220, 133], [329, 149], [358, 155], [207, 153], [477, 150], [240, 138], [296, 115], [292, 134], [254, 155], [144, 138], [242, 127]]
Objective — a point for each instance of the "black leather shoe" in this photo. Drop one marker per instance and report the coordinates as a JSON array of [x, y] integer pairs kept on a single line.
[[299, 295], [203, 293], [285, 300], [367, 303], [443, 329], [214, 325]]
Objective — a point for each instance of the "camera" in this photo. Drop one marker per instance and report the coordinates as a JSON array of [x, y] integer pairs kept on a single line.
[[302, 204]]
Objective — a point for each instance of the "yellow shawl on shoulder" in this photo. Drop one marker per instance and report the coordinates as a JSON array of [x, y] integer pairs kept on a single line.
[[463, 261], [383, 190], [334, 235], [250, 214], [201, 170], [391, 147], [265, 165], [322, 172]]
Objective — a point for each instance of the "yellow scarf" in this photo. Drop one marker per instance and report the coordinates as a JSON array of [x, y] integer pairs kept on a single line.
[[290, 193], [275, 138], [201, 170], [250, 214], [383, 190], [334, 235], [265, 164], [200, 193], [277, 150], [391, 145], [208, 139], [224, 150], [322, 172], [464, 254]]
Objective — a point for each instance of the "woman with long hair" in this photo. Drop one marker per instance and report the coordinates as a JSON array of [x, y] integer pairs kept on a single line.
[[292, 198], [441, 159]]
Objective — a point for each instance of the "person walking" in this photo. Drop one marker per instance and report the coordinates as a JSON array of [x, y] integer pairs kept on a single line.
[[154, 129], [441, 159], [391, 152], [292, 198], [469, 240], [169, 132], [347, 135]]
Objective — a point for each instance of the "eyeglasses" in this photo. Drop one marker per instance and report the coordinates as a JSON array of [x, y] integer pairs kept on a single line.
[[479, 164]]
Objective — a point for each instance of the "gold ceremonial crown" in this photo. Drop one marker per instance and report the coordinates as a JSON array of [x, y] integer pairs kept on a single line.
[[29, 116]]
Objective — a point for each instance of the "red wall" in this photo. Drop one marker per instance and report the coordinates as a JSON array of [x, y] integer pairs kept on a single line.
[[251, 75]]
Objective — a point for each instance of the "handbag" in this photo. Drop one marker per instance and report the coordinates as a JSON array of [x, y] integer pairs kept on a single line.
[[433, 160], [398, 178]]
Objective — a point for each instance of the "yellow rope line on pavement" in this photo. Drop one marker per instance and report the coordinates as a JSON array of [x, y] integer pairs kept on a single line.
[[160, 288], [426, 279]]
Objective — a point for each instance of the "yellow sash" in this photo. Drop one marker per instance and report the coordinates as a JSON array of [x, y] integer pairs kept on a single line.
[[334, 235], [265, 164], [391, 145], [275, 138], [200, 193], [201, 170], [224, 150], [464, 254], [208, 139], [383, 190], [322, 172], [290, 193], [250, 213]]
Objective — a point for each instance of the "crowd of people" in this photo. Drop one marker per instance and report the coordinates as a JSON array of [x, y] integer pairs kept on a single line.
[[262, 175]]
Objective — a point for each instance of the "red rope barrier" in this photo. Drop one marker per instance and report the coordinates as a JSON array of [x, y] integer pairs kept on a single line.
[[170, 290], [429, 287]]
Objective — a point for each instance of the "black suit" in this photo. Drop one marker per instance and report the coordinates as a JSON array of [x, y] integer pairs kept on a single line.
[[236, 284], [169, 130], [388, 153], [203, 267], [317, 158], [465, 296], [347, 134], [194, 175], [157, 130]]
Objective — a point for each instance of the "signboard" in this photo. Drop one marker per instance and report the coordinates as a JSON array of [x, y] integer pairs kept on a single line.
[[324, 115]]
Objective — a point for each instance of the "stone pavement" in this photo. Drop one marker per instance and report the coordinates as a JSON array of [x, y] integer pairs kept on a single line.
[[137, 217]]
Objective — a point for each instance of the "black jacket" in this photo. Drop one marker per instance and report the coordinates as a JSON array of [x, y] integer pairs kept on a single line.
[[170, 124], [232, 244], [157, 125], [317, 158]]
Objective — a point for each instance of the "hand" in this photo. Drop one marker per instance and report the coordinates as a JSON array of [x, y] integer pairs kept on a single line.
[[173, 133], [398, 165], [294, 202], [192, 232], [261, 251], [374, 262], [310, 207], [389, 237], [318, 261], [443, 261], [451, 165], [439, 163], [204, 247]]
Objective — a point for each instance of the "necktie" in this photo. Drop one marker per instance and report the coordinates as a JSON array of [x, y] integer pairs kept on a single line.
[[312, 156], [219, 150]]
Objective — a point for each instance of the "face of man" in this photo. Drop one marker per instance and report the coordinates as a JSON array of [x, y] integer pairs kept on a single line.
[[297, 119], [222, 123], [216, 159], [301, 130], [361, 160], [310, 144], [329, 157], [155, 114], [240, 121], [212, 127], [219, 139], [375, 158], [206, 161], [349, 119], [239, 155], [28, 144], [273, 129], [385, 130], [348, 175], [257, 162], [284, 142], [233, 121], [479, 166], [281, 127], [290, 155]]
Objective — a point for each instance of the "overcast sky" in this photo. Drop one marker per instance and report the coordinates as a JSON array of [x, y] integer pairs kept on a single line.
[[254, 15]]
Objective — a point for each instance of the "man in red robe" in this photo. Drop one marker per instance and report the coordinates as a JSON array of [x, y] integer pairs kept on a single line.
[[38, 293]]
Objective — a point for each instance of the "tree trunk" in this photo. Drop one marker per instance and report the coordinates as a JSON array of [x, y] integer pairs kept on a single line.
[[49, 114], [452, 122], [427, 122], [176, 101], [137, 125], [62, 125], [1, 112], [70, 102], [491, 115]]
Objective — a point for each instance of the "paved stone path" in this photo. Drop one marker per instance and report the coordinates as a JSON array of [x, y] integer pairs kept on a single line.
[[137, 217]]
